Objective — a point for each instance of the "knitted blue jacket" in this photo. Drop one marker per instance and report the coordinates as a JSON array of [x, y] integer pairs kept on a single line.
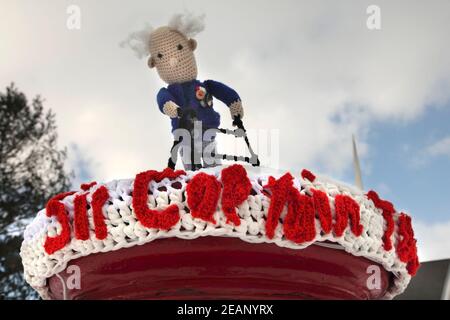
[[185, 95]]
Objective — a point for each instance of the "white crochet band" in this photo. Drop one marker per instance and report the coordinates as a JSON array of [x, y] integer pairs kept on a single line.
[[124, 230]]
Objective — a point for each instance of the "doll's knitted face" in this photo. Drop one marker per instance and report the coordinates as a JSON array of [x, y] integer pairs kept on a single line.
[[173, 55]]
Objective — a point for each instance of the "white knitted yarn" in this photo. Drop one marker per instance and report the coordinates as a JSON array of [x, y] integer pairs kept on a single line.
[[124, 230]]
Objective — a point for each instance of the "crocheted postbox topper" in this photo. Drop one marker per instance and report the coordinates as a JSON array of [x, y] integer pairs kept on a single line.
[[113, 226], [232, 202]]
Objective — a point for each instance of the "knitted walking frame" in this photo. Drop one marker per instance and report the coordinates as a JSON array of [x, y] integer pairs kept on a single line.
[[248, 222]]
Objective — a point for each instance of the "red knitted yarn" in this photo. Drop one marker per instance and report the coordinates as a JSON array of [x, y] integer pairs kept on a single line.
[[81, 222], [406, 246], [322, 206], [56, 208], [99, 199], [236, 189], [203, 193], [306, 174], [167, 173], [346, 208], [61, 196], [87, 186], [279, 195], [387, 209], [164, 219], [299, 224]]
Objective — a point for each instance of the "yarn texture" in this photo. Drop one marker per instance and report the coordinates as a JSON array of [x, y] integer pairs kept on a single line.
[[282, 209]]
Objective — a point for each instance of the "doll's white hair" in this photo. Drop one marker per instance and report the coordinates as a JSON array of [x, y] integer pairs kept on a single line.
[[187, 24], [139, 41]]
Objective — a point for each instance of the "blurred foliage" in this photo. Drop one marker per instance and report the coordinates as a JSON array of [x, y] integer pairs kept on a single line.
[[31, 171]]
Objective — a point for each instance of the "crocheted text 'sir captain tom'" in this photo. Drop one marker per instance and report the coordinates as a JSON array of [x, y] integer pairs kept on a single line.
[[291, 211]]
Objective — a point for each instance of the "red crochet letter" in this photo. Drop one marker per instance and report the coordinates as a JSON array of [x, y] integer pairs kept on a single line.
[[56, 208], [279, 195], [322, 205], [149, 218], [347, 207], [99, 198], [388, 214], [299, 224], [81, 222], [87, 186], [203, 193], [306, 174], [236, 188], [406, 247]]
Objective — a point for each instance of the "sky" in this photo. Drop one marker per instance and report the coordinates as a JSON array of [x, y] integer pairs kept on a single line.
[[310, 74]]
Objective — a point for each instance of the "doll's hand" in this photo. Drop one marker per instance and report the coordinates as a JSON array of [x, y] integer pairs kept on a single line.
[[236, 109], [170, 109]]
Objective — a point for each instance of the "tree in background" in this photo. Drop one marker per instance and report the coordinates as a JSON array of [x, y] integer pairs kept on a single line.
[[31, 171]]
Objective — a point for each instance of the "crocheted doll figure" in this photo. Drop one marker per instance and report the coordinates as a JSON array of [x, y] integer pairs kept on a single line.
[[171, 50]]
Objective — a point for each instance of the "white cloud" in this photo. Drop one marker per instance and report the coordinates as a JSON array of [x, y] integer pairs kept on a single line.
[[440, 148], [437, 148], [311, 69], [81, 165], [433, 240]]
